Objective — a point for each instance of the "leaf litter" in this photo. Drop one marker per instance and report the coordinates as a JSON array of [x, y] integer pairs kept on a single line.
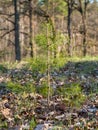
[[30, 110]]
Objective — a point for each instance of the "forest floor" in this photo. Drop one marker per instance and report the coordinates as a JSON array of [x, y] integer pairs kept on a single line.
[[72, 103]]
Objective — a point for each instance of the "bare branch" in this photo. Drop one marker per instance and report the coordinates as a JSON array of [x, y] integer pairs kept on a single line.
[[24, 33], [7, 33], [41, 12], [3, 29], [10, 15], [9, 20], [9, 41]]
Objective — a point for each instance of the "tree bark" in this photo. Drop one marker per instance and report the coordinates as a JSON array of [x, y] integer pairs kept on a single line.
[[68, 28], [70, 5], [30, 29], [84, 36], [83, 14], [85, 31], [17, 42]]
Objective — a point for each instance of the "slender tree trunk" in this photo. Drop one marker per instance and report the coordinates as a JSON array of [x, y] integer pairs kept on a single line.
[[69, 27], [22, 30], [48, 55], [83, 9], [84, 36], [84, 30], [34, 33], [30, 29], [17, 42], [53, 30], [48, 65], [22, 36]]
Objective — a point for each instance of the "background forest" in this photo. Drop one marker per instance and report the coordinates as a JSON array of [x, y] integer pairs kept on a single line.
[[72, 28], [48, 64]]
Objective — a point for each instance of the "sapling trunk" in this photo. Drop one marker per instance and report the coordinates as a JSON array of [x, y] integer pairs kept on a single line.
[[48, 65], [48, 59]]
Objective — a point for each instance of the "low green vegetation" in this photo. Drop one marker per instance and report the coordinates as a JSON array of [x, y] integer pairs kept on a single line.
[[72, 95], [32, 123], [72, 83], [58, 62], [2, 68], [37, 65], [43, 90], [3, 125], [18, 88]]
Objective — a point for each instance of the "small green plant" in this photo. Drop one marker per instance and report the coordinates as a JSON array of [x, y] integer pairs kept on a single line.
[[58, 62], [38, 65], [41, 40], [43, 90], [93, 87], [3, 124], [72, 95], [2, 68], [32, 123], [29, 88], [17, 88]]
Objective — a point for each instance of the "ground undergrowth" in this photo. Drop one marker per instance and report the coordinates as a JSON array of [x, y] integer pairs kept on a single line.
[[73, 103]]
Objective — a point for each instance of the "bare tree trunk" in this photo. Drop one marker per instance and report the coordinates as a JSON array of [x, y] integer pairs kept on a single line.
[[70, 5], [30, 28], [17, 42], [48, 56], [21, 31], [33, 36], [69, 28], [53, 30], [48, 65], [84, 36], [84, 30], [22, 36], [83, 10]]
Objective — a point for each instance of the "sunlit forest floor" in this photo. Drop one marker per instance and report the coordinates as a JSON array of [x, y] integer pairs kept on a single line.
[[25, 102]]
